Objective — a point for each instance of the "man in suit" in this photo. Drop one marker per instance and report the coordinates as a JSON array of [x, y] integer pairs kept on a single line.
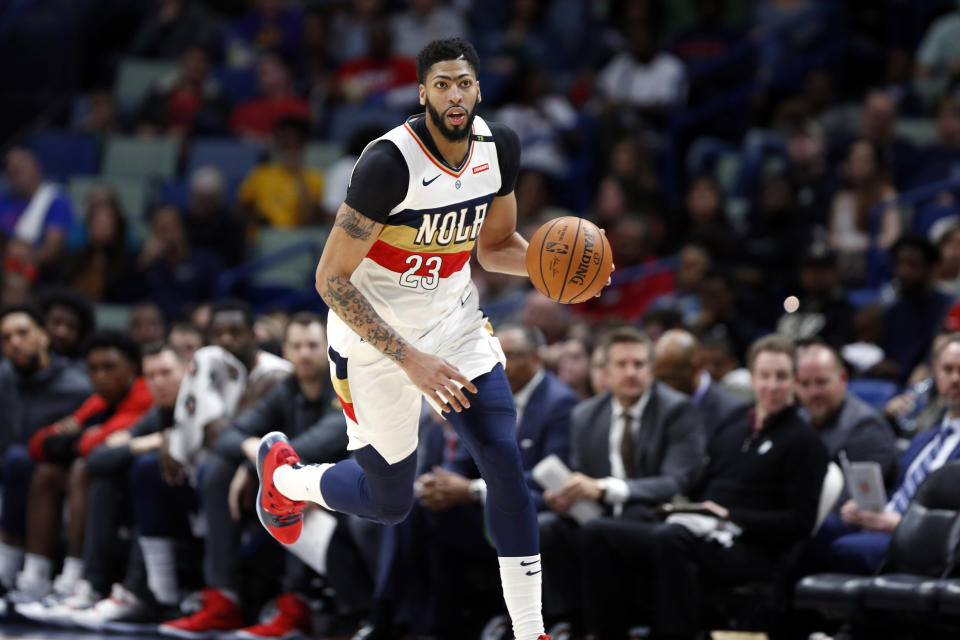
[[844, 421], [857, 540], [676, 362], [445, 530], [632, 448], [759, 498]]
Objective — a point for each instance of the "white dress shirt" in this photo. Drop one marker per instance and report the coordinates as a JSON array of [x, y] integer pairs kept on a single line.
[[616, 491]]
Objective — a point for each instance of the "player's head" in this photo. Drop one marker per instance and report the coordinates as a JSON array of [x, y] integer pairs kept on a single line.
[[113, 363], [447, 73], [231, 328], [163, 369], [305, 345], [23, 337]]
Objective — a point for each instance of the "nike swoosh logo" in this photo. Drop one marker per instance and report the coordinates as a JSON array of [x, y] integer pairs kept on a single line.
[[527, 564], [533, 573], [426, 182]]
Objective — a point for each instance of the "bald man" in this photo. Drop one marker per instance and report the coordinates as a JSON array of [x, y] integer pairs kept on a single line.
[[676, 362], [844, 421]]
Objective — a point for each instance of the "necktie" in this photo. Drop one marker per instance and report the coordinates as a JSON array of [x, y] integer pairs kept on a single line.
[[919, 470], [628, 447]]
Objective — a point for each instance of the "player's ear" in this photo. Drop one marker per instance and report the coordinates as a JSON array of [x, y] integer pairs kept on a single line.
[[479, 94], [423, 95]]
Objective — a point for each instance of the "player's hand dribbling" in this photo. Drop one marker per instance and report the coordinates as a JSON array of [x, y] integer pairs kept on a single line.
[[439, 380]]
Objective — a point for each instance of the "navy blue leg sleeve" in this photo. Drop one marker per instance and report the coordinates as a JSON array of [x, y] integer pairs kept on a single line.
[[371, 488], [488, 429]]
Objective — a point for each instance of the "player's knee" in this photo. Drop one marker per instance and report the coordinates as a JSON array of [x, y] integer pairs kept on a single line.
[[145, 471]]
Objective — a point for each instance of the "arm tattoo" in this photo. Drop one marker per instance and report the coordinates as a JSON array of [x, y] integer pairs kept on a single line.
[[356, 225], [353, 308]]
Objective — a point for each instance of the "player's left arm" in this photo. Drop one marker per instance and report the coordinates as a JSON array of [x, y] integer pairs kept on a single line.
[[499, 247]]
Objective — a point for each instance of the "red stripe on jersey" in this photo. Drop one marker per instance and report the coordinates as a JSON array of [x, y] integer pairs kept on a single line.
[[396, 259], [348, 409]]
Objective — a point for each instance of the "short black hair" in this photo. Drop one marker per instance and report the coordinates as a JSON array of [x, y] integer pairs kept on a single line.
[[112, 339], [304, 319], [232, 304], [81, 307], [25, 309], [296, 124], [929, 251], [446, 49]]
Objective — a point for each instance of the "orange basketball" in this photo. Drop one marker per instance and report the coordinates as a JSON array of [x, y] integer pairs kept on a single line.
[[569, 260]]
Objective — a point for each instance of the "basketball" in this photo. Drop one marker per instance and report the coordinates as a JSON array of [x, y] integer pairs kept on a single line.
[[569, 260]]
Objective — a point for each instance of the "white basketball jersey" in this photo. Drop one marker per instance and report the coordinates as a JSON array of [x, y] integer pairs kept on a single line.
[[418, 270]]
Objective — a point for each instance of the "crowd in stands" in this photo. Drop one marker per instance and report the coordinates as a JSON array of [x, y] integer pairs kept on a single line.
[[777, 178]]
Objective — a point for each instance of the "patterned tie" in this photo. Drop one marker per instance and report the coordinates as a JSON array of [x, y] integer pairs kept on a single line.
[[919, 470], [628, 447]]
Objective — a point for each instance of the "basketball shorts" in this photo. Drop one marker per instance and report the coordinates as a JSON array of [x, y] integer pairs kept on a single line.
[[382, 406]]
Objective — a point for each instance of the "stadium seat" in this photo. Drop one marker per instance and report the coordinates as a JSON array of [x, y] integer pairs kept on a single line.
[[921, 132], [298, 270], [873, 391], [133, 194], [135, 76], [347, 120], [63, 155], [237, 84], [321, 155], [922, 549], [234, 158], [137, 157], [112, 316]]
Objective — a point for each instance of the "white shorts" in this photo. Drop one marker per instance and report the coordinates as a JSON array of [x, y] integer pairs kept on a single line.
[[381, 404]]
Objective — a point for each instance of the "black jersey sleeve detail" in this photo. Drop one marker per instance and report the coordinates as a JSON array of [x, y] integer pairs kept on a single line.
[[379, 181], [508, 155]]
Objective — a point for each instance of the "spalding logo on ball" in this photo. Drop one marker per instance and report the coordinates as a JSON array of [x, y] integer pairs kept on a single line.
[[569, 260]]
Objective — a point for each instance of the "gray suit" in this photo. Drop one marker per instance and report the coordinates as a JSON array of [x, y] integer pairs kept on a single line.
[[863, 433], [670, 455], [670, 447]]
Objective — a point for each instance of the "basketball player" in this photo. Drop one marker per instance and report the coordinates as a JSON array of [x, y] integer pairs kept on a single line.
[[404, 322]]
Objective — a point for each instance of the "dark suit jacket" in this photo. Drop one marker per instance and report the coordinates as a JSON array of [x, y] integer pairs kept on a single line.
[[863, 433], [544, 429], [720, 408], [670, 451]]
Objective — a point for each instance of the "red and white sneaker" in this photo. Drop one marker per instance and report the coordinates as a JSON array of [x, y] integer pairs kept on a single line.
[[218, 613], [280, 515], [292, 620]]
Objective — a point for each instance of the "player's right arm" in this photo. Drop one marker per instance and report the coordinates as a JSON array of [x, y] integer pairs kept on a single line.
[[351, 238]]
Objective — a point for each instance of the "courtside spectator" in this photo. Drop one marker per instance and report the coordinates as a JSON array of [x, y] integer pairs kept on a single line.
[[68, 318], [36, 388], [120, 398]]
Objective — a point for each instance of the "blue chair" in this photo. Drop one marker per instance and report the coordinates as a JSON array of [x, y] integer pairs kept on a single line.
[[347, 120], [873, 391], [232, 157], [66, 154], [237, 84]]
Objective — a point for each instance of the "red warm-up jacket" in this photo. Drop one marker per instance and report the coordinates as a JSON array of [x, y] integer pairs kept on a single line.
[[137, 401]]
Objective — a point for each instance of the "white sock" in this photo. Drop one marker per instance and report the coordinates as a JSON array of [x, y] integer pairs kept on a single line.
[[302, 483], [161, 564], [72, 568], [11, 558], [34, 580], [70, 575], [521, 578]]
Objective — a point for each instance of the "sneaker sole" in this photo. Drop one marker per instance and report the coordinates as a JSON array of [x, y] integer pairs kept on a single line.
[[266, 445]]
